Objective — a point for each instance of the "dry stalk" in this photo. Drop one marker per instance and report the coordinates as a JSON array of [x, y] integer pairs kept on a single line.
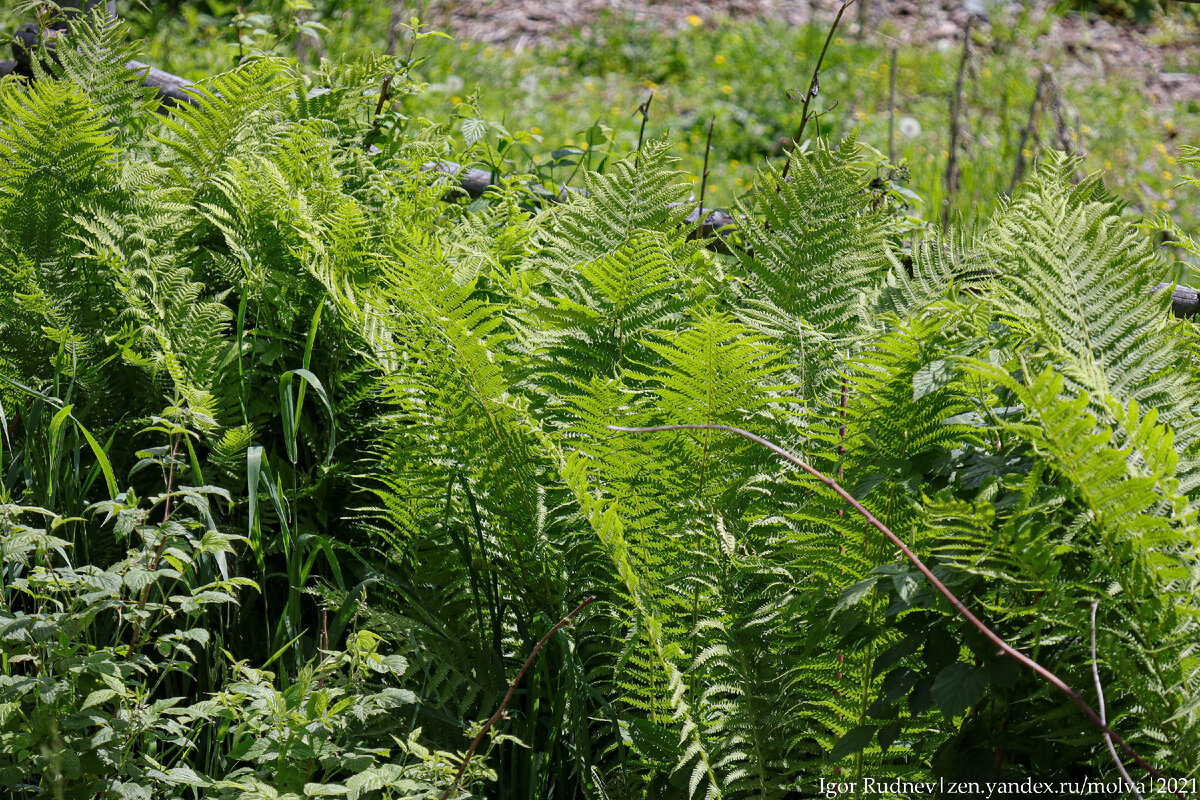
[[942, 589], [953, 173], [512, 687]]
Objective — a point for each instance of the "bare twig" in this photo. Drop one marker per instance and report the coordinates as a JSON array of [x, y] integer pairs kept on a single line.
[[957, 604], [1104, 713], [814, 85], [511, 688], [704, 172], [892, 109], [383, 98], [1019, 167], [953, 175], [644, 110]]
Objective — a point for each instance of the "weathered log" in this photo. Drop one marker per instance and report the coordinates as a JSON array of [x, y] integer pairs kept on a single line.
[[1185, 301], [172, 89], [717, 224]]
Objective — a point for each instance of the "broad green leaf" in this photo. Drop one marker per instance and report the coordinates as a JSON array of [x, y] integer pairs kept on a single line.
[[957, 688]]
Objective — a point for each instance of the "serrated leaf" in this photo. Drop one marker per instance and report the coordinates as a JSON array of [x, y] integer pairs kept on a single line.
[[888, 734], [931, 377], [473, 130], [97, 697], [855, 740], [957, 688]]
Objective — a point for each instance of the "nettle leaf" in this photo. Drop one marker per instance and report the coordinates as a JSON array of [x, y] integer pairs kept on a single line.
[[957, 688], [855, 740], [854, 594], [372, 779], [97, 697], [897, 683], [473, 130], [933, 376], [888, 734]]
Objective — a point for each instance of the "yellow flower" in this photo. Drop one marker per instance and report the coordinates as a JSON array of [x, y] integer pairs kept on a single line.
[[455, 100], [987, 73], [1167, 192], [487, 51], [1160, 147], [535, 130], [739, 182], [712, 188], [727, 89], [1166, 176], [1027, 153], [650, 84], [694, 21], [464, 46], [718, 59], [860, 115], [1085, 130], [1107, 164]]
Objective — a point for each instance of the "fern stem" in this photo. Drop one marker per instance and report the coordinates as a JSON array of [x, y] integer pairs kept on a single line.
[[957, 604]]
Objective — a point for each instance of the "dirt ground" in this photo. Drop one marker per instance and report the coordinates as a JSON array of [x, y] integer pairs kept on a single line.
[[1164, 54]]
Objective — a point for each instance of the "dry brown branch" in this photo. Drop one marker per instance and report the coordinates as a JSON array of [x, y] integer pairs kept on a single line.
[[956, 604]]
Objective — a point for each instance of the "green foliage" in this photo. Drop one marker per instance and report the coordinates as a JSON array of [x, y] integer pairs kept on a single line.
[[402, 406]]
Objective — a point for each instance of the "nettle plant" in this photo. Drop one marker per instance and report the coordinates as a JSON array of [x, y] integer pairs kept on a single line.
[[98, 665]]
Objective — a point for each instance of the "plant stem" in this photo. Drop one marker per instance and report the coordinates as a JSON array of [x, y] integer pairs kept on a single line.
[[953, 175], [957, 604], [1104, 712], [511, 688], [814, 85], [892, 109]]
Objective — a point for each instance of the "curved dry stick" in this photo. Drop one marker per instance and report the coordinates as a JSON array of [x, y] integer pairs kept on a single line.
[[511, 688], [1103, 713], [992, 636]]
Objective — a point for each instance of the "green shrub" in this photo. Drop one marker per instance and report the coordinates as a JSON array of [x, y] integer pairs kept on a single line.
[[403, 401]]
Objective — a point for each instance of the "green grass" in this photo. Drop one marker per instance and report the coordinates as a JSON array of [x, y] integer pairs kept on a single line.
[[738, 73]]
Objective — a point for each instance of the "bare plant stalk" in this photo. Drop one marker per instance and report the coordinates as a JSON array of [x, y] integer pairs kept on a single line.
[[892, 109], [700, 215], [394, 22], [644, 110], [1104, 713], [814, 85], [1019, 167], [953, 174], [511, 688], [863, 8], [384, 88], [957, 604]]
